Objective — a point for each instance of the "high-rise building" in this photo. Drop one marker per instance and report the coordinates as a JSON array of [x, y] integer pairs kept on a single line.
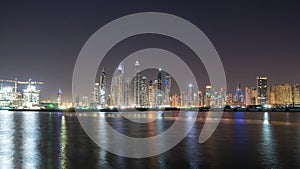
[[59, 96], [102, 89], [155, 93], [150, 94], [137, 85], [262, 89], [251, 96], [167, 84], [159, 88], [282, 94], [31, 96], [126, 92], [190, 95], [222, 98], [229, 99], [207, 97], [239, 94], [117, 88], [143, 91], [296, 94], [183, 99]]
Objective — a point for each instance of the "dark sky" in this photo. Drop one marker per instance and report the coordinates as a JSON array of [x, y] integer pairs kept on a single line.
[[41, 40]]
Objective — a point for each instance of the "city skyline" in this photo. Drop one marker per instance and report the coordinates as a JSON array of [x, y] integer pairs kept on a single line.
[[145, 91]]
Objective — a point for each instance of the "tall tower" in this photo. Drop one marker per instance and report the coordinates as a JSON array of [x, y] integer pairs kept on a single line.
[[167, 84], [262, 88], [96, 95], [208, 95], [190, 95], [126, 92], [159, 87], [136, 86], [239, 94], [143, 91], [102, 89], [59, 94], [120, 87], [150, 94]]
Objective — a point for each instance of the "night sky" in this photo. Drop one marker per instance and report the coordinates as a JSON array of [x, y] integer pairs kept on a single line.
[[41, 40]]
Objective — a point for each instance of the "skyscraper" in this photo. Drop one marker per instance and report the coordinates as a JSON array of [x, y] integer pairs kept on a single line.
[[282, 94], [159, 88], [150, 94], [262, 90], [167, 84], [207, 97], [59, 94], [296, 94], [117, 87], [143, 91], [190, 95], [95, 101], [126, 92], [102, 90], [251, 96], [239, 94], [136, 85]]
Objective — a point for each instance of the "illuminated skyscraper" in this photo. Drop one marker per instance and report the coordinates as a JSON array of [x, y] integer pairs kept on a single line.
[[282, 94], [59, 94], [190, 95], [262, 89], [117, 88], [251, 96], [222, 98], [207, 97], [143, 91], [150, 94], [296, 94], [155, 93], [102, 89], [95, 98], [239, 94], [126, 92], [159, 88], [167, 84], [136, 85]]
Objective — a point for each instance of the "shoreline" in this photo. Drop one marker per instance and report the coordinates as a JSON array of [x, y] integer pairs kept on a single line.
[[201, 109]]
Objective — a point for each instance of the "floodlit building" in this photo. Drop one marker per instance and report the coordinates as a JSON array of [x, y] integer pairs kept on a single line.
[[282, 94], [167, 84], [251, 96], [143, 91], [136, 84], [150, 94], [31, 97], [296, 94], [190, 95], [102, 89], [6, 96], [262, 90]]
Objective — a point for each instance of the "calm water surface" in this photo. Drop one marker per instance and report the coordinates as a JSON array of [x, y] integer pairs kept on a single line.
[[242, 140]]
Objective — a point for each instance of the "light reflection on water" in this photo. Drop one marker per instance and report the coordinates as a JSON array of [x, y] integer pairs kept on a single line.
[[31, 133], [56, 140], [269, 144], [6, 139]]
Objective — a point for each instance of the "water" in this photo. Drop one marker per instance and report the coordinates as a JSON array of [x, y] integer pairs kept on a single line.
[[242, 140]]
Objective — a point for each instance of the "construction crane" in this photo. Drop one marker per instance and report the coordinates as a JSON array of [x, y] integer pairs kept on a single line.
[[16, 82]]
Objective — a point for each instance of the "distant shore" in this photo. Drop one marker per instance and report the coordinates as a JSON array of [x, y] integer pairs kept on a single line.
[[200, 109]]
